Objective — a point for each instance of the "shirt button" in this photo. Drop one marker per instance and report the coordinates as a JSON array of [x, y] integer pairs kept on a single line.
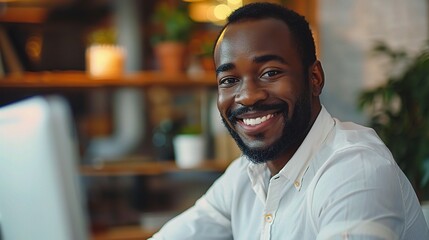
[[268, 218], [297, 184]]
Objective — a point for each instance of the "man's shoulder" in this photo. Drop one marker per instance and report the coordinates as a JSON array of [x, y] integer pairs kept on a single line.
[[353, 142], [351, 126], [350, 134]]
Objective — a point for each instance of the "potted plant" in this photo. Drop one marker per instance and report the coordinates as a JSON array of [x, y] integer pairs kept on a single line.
[[102, 36], [399, 112], [189, 146], [104, 58], [206, 55], [172, 30]]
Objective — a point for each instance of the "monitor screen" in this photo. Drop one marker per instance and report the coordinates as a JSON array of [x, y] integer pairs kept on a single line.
[[40, 195]]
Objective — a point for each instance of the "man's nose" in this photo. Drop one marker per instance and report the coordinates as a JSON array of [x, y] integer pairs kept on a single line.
[[250, 93]]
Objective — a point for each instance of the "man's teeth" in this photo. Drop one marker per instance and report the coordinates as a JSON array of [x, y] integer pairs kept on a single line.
[[256, 121]]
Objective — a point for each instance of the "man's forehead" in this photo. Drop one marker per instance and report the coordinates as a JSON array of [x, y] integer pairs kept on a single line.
[[268, 32], [252, 22], [266, 28]]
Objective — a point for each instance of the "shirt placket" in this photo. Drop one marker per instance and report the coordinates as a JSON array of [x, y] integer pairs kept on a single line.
[[274, 194]]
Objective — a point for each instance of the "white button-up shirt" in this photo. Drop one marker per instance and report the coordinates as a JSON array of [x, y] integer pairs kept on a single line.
[[342, 183]]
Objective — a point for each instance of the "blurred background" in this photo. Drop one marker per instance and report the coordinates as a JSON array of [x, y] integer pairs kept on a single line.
[[129, 103]]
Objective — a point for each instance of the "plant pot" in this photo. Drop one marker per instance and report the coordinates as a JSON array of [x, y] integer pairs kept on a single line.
[[189, 150], [171, 57], [207, 64], [105, 61]]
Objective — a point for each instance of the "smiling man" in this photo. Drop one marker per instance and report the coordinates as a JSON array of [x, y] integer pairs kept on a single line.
[[303, 174], [265, 99]]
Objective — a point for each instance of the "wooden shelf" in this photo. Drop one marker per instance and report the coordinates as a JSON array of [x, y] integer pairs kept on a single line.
[[78, 79], [147, 168], [123, 233]]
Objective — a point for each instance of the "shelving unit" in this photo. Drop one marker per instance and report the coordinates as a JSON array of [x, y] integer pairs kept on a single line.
[[123, 233], [149, 168], [77, 79], [141, 167]]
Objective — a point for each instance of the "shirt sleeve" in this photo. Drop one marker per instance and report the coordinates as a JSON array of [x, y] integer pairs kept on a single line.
[[361, 195], [209, 218]]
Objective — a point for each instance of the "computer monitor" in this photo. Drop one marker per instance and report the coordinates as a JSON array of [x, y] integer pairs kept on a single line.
[[40, 196]]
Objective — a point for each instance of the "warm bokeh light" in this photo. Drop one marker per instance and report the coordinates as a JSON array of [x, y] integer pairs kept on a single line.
[[33, 47], [222, 11], [212, 11], [199, 11], [235, 2], [211, 16]]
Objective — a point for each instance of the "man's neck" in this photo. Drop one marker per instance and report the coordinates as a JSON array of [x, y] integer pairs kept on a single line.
[[277, 164]]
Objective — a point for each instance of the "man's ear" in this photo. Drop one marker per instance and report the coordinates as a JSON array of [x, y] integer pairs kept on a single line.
[[317, 78]]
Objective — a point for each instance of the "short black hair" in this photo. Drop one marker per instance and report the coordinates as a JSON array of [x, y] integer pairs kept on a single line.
[[297, 24]]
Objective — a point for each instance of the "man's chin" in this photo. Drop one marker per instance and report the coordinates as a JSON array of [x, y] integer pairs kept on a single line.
[[259, 155], [256, 160], [256, 145], [255, 150]]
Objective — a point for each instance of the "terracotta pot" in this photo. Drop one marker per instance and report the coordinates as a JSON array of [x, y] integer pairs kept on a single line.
[[207, 64], [171, 57]]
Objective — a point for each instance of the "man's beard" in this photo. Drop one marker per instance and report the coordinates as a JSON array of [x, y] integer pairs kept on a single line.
[[294, 130]]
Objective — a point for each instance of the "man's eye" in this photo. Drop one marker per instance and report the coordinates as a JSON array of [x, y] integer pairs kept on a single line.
[[228, 81], [271, 73]]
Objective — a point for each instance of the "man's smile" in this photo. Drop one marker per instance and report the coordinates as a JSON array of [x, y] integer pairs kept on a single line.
[[257, 121], [253, 120], [254, 126]]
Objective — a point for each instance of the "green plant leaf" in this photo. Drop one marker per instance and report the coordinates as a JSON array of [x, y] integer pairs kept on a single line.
[[399, 113], [425, 168], [172, 23]]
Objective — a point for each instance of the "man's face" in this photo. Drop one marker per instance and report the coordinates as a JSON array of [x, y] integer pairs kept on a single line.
[[263, 90]]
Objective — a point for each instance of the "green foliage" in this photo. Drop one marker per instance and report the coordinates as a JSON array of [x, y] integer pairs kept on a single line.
[[399, 112], [207, 49], [190, 130], [172, 23], [102, 36]]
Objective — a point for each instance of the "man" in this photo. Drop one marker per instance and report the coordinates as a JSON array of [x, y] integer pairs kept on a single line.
[[303, 174]]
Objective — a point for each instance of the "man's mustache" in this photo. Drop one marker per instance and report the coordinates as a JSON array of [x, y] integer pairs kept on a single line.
[[232, 115]]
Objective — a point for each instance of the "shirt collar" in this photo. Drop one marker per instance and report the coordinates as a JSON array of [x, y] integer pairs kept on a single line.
[[295, 169]]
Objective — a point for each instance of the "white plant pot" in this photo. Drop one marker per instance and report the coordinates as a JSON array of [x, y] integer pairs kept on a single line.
[[189, 150]]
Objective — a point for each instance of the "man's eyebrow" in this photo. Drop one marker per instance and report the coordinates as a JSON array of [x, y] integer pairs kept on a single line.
[[267, 58], [224, 67], [258, 59]]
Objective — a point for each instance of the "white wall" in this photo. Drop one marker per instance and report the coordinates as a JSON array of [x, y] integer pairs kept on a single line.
[[348, 30]]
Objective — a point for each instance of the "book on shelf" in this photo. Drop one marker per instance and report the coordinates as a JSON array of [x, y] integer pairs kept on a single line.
[[10, 62]]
